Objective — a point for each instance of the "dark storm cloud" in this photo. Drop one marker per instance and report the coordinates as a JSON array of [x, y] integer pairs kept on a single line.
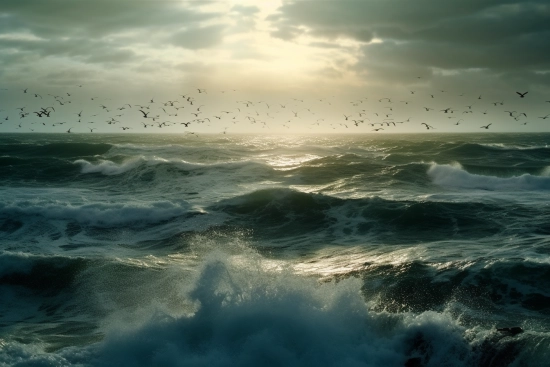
[[398, 18], [500, 35], [97, 18], [79, 48], [87, 30]]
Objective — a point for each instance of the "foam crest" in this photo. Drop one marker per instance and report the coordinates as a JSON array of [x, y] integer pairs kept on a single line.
[[107, 167], [455, 176], [110, 168], [502, 146], [248, 316]]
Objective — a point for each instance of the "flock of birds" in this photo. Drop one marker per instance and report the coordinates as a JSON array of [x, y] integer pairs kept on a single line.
[[190, 110]]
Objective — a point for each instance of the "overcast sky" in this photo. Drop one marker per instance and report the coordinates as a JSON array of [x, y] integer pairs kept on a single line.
[[274, 66]]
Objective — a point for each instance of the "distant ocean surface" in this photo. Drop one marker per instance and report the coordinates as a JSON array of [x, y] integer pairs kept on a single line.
[[235, 250]]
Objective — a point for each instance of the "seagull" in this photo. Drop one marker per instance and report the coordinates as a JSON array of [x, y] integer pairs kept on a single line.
[[522, 95], [485, 127], [428, 127], [144, 113]]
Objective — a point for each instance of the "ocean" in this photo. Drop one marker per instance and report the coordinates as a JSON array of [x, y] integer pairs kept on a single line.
[[242, 250]]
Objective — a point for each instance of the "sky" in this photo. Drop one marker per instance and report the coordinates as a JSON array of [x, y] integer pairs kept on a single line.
[[274, 66]]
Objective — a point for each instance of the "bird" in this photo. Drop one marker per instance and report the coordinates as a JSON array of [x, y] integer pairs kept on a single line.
[[144, 113], [428, 127], [522, 95], [485, 127]]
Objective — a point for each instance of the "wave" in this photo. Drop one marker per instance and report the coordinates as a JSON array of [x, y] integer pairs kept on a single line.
[[516, 284], [97, 214], [246, 315], [501, 146], [277, 213], [506, 152], [109, 168], [60, 150], [42, 273], [237, 310], [455, 176]]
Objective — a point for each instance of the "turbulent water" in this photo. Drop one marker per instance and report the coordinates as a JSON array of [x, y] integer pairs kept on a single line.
[[150, 250]]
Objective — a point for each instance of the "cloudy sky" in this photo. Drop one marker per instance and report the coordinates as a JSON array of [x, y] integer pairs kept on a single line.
[[274, 66]]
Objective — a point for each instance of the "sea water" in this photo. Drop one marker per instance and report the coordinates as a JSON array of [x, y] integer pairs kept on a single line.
[[219, 250]]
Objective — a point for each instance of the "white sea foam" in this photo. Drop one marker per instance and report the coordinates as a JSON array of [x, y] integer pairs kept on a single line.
[[252, 317], [514, 146], [110, 168], [454, 175]]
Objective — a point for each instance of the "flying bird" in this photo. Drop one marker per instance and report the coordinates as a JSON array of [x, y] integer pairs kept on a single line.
[[522, 95]]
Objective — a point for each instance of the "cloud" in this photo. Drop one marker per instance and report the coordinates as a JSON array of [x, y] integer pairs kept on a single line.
[[100, 31], [68, 18], [198, 37], [84, 50], [414, 37], [245, 10]]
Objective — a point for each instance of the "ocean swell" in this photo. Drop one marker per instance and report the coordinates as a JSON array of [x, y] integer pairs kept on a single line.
[[97, 214], [455, 176]]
